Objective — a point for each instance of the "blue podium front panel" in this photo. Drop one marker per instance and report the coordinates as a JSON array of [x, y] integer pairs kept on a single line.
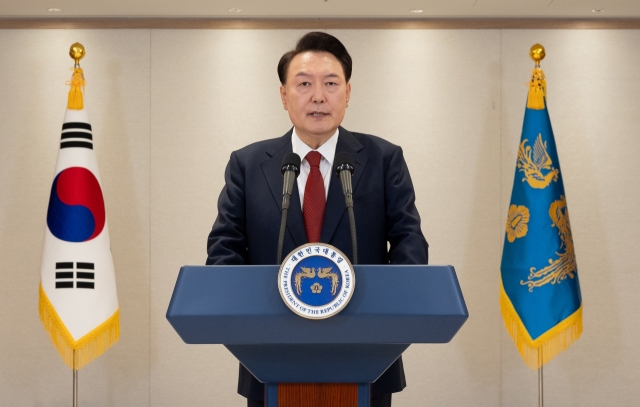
[[318, 363], [241, 305]]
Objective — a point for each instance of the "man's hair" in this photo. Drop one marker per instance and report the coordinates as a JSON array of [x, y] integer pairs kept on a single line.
[[316, 42]]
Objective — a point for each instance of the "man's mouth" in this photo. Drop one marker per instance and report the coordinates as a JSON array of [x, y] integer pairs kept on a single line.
[[318, 114]]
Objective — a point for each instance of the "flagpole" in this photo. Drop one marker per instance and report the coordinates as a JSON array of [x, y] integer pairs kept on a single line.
[[75, 381], [537, 54], [540, 382], [76, 52]]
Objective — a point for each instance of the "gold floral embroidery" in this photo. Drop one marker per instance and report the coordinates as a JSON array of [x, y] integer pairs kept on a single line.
[[517, 222]]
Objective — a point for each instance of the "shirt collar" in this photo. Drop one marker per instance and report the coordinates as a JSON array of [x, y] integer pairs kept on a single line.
[[327, 150]]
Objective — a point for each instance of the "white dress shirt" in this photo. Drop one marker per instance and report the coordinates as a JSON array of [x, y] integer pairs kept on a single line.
[[327, 151]]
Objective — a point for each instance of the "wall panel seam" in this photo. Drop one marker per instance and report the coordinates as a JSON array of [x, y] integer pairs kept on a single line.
[[149, 194]]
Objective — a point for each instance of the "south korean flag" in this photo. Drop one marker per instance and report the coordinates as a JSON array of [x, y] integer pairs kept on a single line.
[[78, 300]]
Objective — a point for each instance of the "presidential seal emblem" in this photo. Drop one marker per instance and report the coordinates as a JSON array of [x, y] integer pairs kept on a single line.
[[316, 281]]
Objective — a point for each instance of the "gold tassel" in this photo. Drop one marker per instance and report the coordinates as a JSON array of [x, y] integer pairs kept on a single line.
[[537, 90], [76, 99], [551, 344], [87, 348]]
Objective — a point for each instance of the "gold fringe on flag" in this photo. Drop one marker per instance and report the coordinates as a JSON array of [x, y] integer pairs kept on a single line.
[[551, 344], [87, 348], [76, 99], [537, 90]]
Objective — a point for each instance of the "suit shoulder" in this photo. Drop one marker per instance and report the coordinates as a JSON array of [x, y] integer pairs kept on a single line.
[[259, 149], [261, 145], [375, 143]]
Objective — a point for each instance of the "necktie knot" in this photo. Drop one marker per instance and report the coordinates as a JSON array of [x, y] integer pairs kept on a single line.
[[313, 158]]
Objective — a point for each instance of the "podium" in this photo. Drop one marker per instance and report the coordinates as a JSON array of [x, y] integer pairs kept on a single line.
[[392, 307]]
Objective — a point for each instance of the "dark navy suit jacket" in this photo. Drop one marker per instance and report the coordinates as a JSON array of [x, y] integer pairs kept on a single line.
[[250, 205]]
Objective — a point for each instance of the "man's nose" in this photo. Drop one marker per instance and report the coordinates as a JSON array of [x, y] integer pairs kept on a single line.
[[318, 94]]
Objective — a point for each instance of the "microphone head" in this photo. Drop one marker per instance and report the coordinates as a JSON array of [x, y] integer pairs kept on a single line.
[[343, 161], [291, 162]]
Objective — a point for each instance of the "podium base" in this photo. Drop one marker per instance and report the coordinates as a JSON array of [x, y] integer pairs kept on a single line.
[[317, 395]]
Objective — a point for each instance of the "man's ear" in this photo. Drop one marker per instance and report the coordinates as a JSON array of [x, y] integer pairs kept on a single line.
[[348, 92], [283, 97]]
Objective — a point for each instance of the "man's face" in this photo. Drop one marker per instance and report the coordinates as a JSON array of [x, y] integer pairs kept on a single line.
[[316, 95]]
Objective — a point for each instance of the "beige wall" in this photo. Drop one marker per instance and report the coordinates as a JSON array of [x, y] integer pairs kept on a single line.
[[168, 107]]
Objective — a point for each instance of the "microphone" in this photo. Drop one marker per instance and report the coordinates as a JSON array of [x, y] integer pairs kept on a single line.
[[344, 169], [290, 170]]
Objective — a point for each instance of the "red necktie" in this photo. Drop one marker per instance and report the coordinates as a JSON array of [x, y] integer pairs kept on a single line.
[[314, 199]]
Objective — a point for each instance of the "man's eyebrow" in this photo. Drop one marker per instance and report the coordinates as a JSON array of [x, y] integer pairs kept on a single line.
[[331, 75]]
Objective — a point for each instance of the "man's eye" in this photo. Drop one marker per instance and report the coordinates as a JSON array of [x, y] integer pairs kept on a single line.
[[331, 83], [305, 84]]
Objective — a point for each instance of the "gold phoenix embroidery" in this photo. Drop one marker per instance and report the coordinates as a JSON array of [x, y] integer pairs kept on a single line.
[[565, 265], [517, 220], [311, 273], [533, 167]]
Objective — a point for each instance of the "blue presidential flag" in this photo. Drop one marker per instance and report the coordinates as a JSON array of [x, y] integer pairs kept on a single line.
[[540, 293]]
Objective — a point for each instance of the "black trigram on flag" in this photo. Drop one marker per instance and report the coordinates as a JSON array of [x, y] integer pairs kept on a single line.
[[83, 273], [75, 134]]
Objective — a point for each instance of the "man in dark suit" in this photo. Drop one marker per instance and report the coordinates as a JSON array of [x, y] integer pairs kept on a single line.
[[315, 91]]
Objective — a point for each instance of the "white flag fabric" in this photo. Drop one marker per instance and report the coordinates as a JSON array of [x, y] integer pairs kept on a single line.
[[78, 299]]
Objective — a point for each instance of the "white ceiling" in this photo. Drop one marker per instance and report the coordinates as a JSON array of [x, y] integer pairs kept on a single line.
[[321, 8]]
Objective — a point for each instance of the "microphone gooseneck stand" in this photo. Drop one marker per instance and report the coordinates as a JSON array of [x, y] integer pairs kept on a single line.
[[344, 169], [290, 170]]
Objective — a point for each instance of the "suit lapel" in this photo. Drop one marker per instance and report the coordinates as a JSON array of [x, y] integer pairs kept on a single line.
[[335, 209], [271, 170]]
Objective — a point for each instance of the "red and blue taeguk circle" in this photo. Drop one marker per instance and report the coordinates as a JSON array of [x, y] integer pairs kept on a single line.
[[76, 207]]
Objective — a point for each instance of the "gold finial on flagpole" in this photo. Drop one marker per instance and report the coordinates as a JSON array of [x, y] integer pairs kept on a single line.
[[537, 54], [77, 53], [538, 83], [76, 98]]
